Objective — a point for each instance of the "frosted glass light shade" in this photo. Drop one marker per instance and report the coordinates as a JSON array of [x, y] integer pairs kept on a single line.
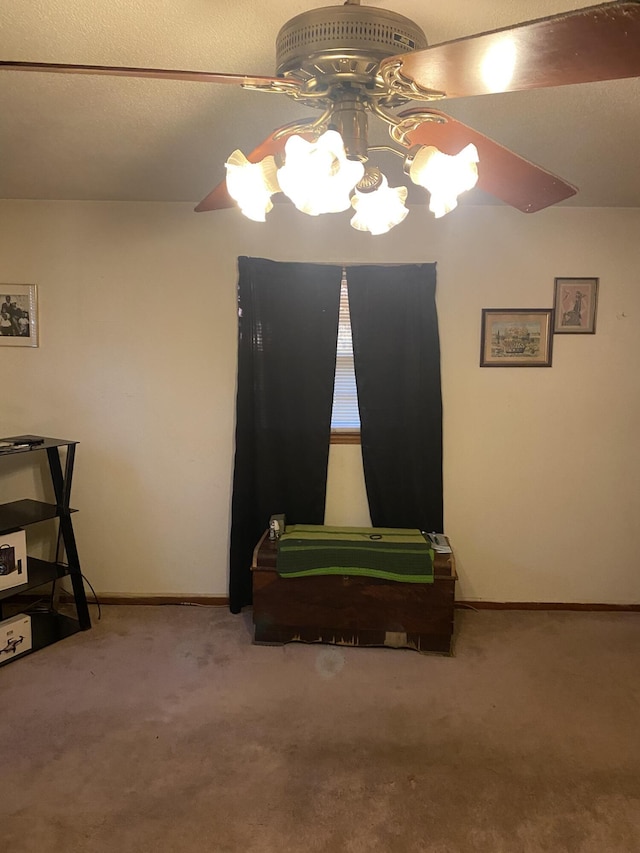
[[444, 175], [317, 176], [379, 211], [252, 184]]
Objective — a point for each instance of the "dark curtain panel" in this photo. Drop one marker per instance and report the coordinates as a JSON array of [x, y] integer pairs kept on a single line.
[[396, 352], [288, 321]]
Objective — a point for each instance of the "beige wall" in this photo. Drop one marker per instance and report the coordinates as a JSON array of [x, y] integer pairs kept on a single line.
[[137, 362]]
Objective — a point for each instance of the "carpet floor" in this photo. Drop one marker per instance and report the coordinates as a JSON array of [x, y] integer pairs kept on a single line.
[[164, 729]]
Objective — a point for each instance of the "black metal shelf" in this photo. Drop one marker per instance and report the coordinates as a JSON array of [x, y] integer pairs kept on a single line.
[[45, 444], [24, 512], [39, 573], [48, 625], [46, 628]]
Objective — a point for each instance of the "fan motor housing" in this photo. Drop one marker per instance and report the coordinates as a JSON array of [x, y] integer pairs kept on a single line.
[[343, 44]]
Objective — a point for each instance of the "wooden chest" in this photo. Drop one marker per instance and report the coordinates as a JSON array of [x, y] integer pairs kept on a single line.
[[354, 611]]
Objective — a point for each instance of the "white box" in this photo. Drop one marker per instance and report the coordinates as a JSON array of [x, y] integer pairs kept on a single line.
[[18, 576], [15, 637]]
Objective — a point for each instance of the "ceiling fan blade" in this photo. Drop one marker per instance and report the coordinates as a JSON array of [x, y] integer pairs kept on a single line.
[[584, 46], [246, 80], [219, 198], [501, 172]]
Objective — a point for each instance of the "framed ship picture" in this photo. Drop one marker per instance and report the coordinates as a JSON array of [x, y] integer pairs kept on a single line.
[[516, 337]]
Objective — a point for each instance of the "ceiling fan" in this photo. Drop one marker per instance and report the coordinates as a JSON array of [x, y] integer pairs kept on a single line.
[[351, 62]]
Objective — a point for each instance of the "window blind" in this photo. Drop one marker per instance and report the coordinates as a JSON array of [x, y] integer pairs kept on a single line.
[[345, 416]]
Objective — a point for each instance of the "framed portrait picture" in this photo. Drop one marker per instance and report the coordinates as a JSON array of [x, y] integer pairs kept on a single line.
[[575, 303], [516, 337], [18, 315]]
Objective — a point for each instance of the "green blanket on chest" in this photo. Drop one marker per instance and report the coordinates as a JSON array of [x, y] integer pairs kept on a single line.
[[391, 553]]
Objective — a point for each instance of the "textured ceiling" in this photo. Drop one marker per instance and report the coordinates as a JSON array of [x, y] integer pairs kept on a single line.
[[78, 137]]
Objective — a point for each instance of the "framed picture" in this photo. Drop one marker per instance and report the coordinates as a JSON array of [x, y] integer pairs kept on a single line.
[[516, 337], [575, 303], [18, 315]]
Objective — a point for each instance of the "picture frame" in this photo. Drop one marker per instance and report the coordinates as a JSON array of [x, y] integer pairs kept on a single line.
[[516, 337], [575, 303], [18, 315]]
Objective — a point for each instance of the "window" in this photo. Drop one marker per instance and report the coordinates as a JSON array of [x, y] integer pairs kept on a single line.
[[345, 417]]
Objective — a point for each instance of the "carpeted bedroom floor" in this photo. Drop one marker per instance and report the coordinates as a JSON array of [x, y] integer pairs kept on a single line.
[[164, 729]]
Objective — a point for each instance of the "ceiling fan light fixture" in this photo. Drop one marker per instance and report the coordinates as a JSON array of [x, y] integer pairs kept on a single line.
[[251, 185], [350, 60], [317, 176], [445, 176], [379, 207]]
